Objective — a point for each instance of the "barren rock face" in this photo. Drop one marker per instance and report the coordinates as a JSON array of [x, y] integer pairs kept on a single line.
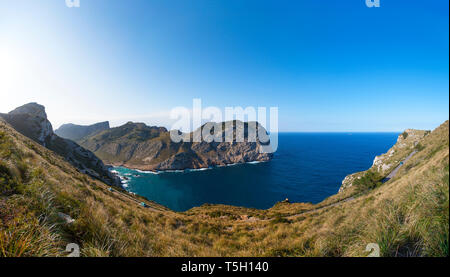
[[32, 109], [31, 120]]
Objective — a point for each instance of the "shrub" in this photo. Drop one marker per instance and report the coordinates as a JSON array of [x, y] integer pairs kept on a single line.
[[368, 181], [419, 147]]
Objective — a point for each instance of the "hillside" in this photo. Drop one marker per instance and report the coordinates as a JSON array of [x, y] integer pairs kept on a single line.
[[31, 121], [40, 192], [77, 132], [408, 143], [138, 146]]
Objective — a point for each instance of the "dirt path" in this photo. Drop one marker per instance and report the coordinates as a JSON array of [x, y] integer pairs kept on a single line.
[[322, 208], [135, 200], [293, 216], [394, 172]]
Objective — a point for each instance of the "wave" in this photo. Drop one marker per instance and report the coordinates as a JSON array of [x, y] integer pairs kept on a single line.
[[255, 162], [179, 170]]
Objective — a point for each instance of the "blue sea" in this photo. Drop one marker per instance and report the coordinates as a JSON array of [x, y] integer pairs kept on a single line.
[[307, 167]]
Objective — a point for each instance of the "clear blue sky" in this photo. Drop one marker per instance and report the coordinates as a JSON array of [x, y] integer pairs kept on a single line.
[[328, 65]]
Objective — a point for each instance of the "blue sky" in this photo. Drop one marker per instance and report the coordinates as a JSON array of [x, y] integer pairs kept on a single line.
[[327, 65]]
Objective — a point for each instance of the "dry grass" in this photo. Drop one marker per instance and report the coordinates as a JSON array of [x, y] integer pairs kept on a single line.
[[407, 216]]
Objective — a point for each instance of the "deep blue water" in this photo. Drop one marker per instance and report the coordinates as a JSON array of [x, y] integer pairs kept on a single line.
[[308, 167]]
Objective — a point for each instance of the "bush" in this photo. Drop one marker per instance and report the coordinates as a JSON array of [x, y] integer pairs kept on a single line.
[[368, 181], [419, 147]]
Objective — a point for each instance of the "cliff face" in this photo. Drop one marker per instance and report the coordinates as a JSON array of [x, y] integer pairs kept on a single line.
[[139, 146], [77, 132], [406, 145], [31, 121]]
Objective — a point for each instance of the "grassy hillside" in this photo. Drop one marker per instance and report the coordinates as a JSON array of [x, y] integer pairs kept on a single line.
[[408, 143], [406, 216]]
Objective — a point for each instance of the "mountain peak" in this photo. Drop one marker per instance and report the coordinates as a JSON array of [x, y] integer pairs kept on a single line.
[[33, 108]]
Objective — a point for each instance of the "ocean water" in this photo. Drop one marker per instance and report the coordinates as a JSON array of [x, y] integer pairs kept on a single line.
[[307, 167]]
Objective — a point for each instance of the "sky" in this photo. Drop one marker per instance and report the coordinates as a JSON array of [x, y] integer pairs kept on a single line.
[[329, 66]]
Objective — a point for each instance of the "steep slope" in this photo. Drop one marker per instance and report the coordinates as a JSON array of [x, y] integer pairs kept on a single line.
[[406, 146], [136, 145], [405, 216], [31, 121], [77, 132]]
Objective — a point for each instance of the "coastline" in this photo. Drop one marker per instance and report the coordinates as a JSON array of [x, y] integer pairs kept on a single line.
[[186, 170]]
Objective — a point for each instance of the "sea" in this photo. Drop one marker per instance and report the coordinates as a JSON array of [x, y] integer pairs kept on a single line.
[[307, 167]]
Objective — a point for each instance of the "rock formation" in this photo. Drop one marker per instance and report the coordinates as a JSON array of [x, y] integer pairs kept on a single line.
[[31, 121], [136, 145], [385, 163]]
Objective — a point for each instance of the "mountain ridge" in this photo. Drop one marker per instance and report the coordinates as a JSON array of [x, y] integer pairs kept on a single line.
[[138, 146], [76, 132]]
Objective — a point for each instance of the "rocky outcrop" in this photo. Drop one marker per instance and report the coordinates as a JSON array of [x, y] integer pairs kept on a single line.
[[136, 145], [77, 132], [385, 163], [31, 121]]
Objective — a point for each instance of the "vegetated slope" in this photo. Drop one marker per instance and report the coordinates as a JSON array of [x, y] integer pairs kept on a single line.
[[77, 132], [31, 121], [136, 145], [408, 143], [407, 215]]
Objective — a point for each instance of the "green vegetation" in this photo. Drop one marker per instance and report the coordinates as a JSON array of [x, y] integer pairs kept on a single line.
[[404, 135], [406, 216], [368, 181], [419, 147]]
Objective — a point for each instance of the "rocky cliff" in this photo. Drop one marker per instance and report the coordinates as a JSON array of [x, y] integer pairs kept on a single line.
[[31, 121], [407, 143], [136, 145], [77, 132]]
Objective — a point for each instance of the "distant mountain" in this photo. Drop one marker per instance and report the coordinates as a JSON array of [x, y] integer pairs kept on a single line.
[[77, 132], [31, 121], [136, 145]]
